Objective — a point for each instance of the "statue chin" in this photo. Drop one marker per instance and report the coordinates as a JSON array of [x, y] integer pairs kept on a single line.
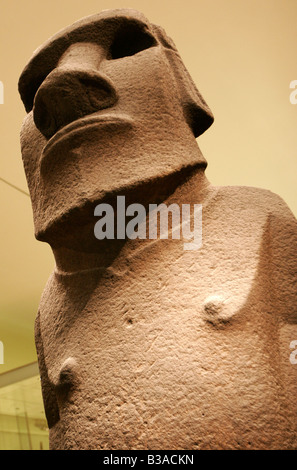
[[83, 165], [74, 228]]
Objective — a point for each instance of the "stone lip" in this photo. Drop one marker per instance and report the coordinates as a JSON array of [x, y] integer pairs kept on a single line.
[[83, 125]]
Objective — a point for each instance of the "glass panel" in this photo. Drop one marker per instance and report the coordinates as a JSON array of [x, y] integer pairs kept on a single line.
[[22, 421]]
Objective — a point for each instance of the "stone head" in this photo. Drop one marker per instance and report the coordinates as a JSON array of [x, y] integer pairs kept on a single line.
[[110, 105]]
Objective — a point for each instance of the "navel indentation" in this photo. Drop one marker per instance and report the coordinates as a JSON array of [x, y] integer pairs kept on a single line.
[[217, 309], [67, 376]]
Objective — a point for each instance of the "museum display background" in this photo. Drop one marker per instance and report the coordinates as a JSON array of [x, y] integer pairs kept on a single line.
[[241, 54]]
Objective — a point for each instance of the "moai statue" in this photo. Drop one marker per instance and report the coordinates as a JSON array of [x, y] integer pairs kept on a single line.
[[143, 344]]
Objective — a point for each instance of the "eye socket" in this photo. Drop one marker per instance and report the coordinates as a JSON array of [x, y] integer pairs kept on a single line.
[[129, 41]]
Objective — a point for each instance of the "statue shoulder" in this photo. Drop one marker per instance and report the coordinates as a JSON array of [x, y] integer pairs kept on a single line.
[[254, 210], [258, 199]]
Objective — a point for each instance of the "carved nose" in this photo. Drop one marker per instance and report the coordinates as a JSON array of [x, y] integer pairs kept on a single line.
[[67, 95]]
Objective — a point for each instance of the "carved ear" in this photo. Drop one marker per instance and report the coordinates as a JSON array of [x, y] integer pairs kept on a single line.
[[197, 114]]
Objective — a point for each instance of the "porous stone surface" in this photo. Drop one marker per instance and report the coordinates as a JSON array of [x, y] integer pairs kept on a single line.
[[141, 343]]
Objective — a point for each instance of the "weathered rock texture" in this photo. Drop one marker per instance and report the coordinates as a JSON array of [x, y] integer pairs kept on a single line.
[[142, 344]]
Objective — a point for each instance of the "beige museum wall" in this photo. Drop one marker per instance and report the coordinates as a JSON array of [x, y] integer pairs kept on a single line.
[[242, 56]]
